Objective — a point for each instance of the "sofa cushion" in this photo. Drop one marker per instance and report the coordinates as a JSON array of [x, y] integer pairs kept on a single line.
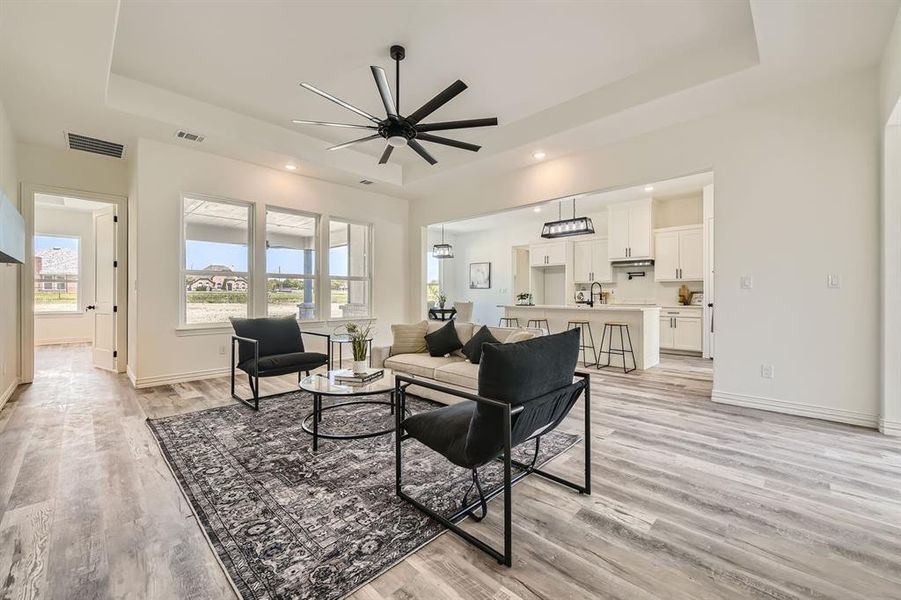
[[463, 374], [473, 348], [519, 336], [443, 341], [464, 329], [421, 365], [409, 338]]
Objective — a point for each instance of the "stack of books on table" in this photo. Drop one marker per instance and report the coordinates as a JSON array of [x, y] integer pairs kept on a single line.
[[348, 377]]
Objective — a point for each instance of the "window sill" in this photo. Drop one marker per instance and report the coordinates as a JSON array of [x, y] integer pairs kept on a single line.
[[206, 329], [225, 328], [67, 313]]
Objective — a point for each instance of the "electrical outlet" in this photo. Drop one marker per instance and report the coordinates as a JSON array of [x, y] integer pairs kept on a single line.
[[767, 371], [747, 282], [222, 350], [833, 281]]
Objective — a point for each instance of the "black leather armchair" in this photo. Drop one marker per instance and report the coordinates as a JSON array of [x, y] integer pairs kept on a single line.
[[272, 346], [526, 389]]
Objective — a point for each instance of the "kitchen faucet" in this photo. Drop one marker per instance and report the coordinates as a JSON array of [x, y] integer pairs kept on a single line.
[[591, 293]]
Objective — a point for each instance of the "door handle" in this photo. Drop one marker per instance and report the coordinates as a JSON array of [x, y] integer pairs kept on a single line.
[[89, 307]]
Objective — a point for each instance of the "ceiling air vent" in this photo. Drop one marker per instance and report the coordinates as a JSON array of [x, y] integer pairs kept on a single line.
[[365, 182], [94, 146], [187, 135]]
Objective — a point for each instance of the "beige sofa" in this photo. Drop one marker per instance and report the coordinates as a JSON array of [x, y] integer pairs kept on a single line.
[[452, 371]]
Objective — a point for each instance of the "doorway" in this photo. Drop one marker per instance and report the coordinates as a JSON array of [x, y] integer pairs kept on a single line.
[[74, 278]]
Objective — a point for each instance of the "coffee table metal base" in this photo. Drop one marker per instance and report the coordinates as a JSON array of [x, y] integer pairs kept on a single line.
[[316, 418]]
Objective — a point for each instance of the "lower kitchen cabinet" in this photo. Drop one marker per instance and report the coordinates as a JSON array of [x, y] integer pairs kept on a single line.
[[681, 332]]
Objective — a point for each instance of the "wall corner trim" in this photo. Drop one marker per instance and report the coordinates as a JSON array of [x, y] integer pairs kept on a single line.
[[890, 427], [8, 392], [838, 415]]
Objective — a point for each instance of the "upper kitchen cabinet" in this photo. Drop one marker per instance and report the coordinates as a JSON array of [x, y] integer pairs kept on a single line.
[[591, 262], [547, 255], [679, 254], [629, 229]]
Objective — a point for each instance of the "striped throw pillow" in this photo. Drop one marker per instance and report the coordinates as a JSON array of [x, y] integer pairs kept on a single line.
[[409, 339]]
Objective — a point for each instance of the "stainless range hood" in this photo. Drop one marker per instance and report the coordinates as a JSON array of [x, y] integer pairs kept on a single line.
[[622, 264]]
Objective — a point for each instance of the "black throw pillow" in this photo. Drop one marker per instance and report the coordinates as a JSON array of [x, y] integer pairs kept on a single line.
[[443, 341], [473, 348]]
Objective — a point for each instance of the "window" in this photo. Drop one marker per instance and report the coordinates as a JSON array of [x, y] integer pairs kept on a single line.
[[349, 270], [291, 264], [433, 278], [215, 271], [56, 273]]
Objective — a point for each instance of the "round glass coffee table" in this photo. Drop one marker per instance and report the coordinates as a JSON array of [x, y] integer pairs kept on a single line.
[[322, 385]]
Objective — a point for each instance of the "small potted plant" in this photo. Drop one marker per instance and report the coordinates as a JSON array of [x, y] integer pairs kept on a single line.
[[442, 299], [359, 343], [524, 299]]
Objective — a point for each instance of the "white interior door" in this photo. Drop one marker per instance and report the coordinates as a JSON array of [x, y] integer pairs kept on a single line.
[[104, 350]]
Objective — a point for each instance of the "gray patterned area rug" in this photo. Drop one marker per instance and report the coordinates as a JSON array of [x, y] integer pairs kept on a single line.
[[290, 523]]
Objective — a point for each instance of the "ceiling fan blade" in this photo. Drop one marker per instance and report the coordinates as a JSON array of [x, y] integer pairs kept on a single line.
[[457, 124], [327, 124], [417, 147], [437, 102], [351, 143], [427, 137], [381, 81], [340, 102], [386, 154]]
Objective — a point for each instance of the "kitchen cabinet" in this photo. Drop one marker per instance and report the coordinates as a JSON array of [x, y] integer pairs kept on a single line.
[[679, 254], [590, 262], [544, 255], [629, 230], [681, 329]]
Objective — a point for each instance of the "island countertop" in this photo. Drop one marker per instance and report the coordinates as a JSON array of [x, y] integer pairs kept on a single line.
[[585, 307]]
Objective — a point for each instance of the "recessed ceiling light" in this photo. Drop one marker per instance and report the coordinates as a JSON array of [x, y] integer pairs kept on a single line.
[[291, 167], [537, 209], [538, 155], [649, 188]]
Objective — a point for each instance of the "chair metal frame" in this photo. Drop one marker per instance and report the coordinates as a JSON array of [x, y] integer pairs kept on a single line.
[[254, 377], [505, 557]]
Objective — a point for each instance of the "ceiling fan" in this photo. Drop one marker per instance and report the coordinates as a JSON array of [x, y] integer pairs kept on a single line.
[[397, 129]]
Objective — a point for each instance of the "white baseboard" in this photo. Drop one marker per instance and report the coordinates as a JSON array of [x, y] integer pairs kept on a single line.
[[59, 341], [890, 427], [8, 392], [145, 382], [838, 415]]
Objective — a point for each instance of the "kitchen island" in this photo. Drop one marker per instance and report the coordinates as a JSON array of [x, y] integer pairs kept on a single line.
[[643, 321]]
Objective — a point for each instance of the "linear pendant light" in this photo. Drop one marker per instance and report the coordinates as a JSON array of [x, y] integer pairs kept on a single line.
[[567, 227], [442, 250]]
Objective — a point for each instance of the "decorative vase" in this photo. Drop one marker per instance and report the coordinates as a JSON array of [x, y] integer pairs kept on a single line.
[[441, 305], [360, 366]]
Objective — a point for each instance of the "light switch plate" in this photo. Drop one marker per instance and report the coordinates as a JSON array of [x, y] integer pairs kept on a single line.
[[833, 281], [767, 371], [747, 282]]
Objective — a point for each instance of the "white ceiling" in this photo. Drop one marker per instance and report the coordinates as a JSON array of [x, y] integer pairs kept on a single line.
[[560, 76], [586, 204]]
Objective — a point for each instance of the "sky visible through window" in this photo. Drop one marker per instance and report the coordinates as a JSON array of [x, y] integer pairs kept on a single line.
[[199, 255], [45, 242]]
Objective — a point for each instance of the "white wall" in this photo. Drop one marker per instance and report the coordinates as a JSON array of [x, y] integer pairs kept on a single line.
[[163, 172], [890, 104], [77, 327], [72, 169], [9, 274], [797, 198]]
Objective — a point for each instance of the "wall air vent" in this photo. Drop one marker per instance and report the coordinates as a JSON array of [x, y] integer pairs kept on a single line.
[[187, 135], [94, 146], [365, 182]]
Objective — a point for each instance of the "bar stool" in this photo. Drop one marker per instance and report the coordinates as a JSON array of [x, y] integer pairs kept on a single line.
[[508, 322], [536, 323], [584, 326], [621, 351]]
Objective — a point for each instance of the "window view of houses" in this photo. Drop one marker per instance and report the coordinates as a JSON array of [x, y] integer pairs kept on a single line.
[[56, 274]]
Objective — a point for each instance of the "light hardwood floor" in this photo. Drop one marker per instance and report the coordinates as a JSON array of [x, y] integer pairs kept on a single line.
[[690, 500]]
